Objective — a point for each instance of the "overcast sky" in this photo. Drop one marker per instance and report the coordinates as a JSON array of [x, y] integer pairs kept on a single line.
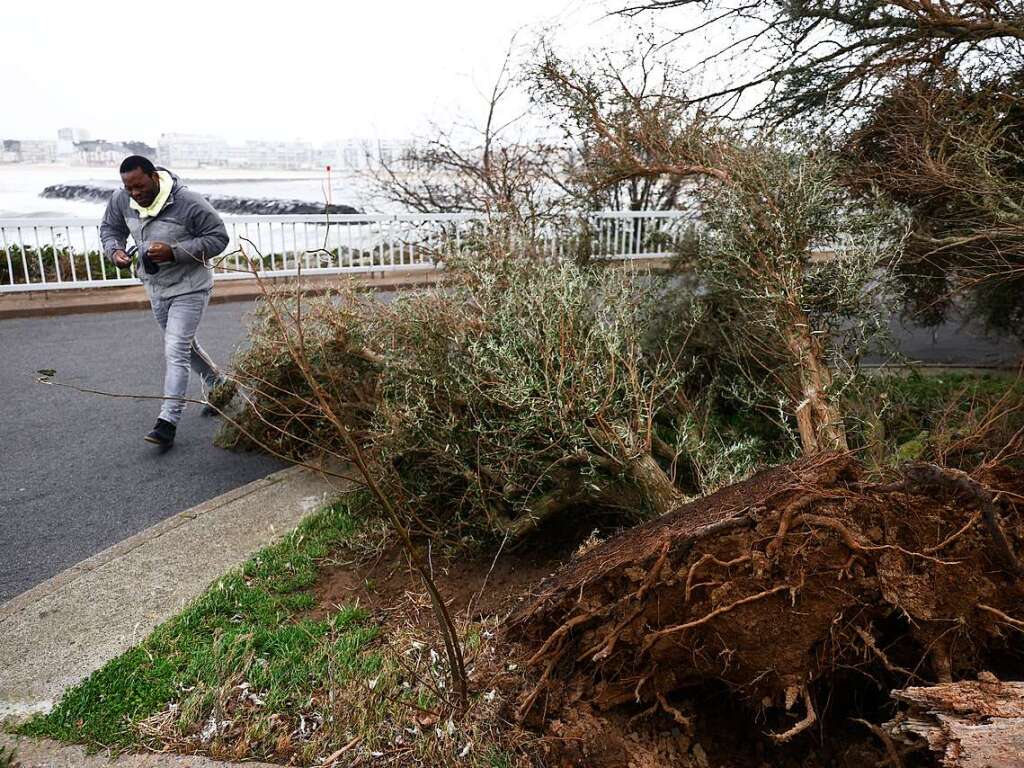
[[270, 70]]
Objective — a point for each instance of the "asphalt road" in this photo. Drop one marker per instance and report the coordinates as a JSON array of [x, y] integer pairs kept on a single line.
[[76, 477], [75, 474], [953, 344]]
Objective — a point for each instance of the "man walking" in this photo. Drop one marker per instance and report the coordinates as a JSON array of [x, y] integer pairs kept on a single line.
[[176, 231]]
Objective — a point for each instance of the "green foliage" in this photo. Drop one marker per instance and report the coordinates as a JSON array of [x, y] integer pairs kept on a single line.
[[518, 390], [955, 419], [33, 265], [770, 301], [520, 384], [950, 149], [275, 409]]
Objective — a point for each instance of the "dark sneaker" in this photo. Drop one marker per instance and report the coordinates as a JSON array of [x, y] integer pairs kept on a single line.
[[162, 434]]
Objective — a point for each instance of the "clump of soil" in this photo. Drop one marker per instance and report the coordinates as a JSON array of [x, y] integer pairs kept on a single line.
[[769, 622], [476, 585]]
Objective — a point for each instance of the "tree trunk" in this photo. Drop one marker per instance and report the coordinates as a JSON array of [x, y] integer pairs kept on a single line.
[[655, 485], [818, 419]]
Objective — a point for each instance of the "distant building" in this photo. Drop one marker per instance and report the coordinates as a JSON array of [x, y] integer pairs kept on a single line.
[[29, 151], [9, 152], [38, 151], [67, 139], [290, 155], [65, 144], [346, 156], [181, 150], [140, 148], [75, 146], [107, 153], [366, 154]]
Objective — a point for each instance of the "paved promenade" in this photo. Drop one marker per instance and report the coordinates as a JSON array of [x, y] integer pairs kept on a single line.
[[75, 474]]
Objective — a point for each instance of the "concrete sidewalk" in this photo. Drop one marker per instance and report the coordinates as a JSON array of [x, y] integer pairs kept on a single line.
[[44, 753], [78, 300], [56, 634]]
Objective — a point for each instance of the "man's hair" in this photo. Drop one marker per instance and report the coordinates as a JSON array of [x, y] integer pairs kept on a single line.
[[132, 162]]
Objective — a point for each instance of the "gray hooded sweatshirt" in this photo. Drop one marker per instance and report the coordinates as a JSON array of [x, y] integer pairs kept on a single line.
[[187, 223]]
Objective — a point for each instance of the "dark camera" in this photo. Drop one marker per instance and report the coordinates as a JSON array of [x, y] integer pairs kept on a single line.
[[148, 264]]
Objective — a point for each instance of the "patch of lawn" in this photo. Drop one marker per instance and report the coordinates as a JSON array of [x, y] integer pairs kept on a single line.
[[904, 418], [243, 635]]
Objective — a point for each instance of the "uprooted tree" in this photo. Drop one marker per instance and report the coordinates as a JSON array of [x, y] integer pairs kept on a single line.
[[629, 95], [832, 58], [928, 94]]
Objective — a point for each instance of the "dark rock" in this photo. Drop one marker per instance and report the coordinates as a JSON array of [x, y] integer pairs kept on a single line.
[[223, 203]]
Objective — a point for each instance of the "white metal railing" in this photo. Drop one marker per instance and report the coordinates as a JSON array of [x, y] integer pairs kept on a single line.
[[47, 254]]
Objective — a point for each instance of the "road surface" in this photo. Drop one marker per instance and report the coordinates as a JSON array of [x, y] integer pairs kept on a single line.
[[75, 474]]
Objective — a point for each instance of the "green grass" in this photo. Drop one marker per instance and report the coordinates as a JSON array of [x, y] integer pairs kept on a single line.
[[246, 628], [901, 418]]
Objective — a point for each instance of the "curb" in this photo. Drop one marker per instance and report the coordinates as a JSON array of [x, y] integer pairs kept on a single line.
[[19, 603], [46, 753], [57, 633], [88, 301]]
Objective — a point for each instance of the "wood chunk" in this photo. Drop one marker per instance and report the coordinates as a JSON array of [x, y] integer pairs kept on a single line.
[[970, 724]]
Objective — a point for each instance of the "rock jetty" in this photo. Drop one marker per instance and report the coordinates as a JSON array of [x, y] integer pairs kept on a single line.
[[223, 203]]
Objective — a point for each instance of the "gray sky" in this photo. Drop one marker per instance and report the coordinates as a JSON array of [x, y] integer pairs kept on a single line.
[[276, 70]]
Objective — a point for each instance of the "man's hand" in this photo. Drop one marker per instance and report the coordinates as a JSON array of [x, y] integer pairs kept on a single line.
[[161, 253], [121, 259]]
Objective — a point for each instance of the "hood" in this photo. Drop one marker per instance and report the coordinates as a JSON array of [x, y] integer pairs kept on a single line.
[[178, 183]]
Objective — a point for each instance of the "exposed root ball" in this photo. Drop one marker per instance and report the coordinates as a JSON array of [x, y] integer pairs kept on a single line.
[[781, 588]]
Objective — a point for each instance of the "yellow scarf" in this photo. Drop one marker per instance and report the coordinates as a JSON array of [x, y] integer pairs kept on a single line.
[[166, 182]]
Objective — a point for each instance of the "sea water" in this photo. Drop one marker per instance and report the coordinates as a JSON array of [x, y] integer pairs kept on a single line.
[[21, 185]]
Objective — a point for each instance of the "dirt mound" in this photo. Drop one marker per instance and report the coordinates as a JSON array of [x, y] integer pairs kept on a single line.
[[475, 584], [776, 609]]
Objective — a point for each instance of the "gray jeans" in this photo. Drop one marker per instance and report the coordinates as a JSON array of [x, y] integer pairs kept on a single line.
[[179, 317]]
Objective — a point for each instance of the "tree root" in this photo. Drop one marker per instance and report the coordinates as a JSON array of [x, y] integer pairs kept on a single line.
[[563, 630], [605, 649], [923, 478], [634, 626], [853, 543], [653, 637], [1017, 623], [709, 558], [678, 716], [954, 536], [786, 521], [893, 755], [809, 719], [872, 645]]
